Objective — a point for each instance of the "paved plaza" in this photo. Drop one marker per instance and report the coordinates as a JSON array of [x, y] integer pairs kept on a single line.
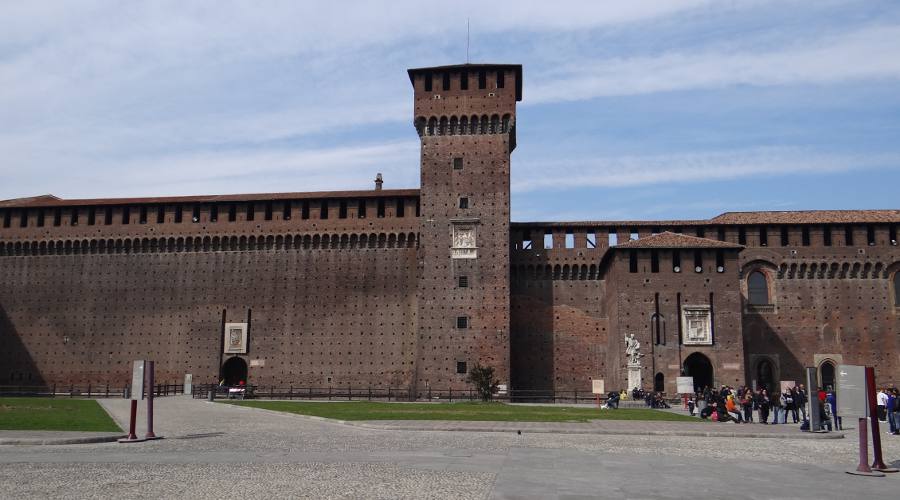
[[215, 450]]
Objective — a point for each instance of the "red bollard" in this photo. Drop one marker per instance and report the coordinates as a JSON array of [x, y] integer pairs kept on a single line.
[[133, 422], [863, 468], [878, 464]]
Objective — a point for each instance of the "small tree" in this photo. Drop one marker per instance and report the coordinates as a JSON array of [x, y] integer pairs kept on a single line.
[[482, 377]]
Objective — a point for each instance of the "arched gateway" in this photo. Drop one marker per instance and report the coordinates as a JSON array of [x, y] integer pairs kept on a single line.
[[234, 371], [698, 366]]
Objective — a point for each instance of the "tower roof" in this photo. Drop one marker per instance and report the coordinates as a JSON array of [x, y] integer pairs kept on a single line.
[[517, 68]]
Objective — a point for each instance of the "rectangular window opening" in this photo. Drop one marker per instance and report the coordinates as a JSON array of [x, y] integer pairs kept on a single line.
[[464, 202], [269, 210], [721, 234], [804, 235], [591, 240], [251, 211], [126, 215], [179, 213], [143, 215], [286, 211], [342, 209], [40, 218], [482, 79], [613, 238], [634, 235], [742, 236], [304, 210], [826, 236], [763, 236], [464, 80], [461, 367], [428, 82], [463, 282], [848, 235], [214, 213], [108, 216], [457, 163], [501, 79], [195, 214], [323, 209], [785, 236], [401, 207], [7, 218], [74, 216], [57, 217], [548, 240], [361, 209], [698, 261], [160, 214], [870, 235], [570, 240], [92, 216], [23, 218], [720, 261], [654, 261], [892, 234], [701, 232], [232, 212], [380, 209], [632, 262], [446, 81], [462, 322]]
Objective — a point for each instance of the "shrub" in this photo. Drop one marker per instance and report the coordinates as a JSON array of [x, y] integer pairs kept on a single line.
[[482, 377]]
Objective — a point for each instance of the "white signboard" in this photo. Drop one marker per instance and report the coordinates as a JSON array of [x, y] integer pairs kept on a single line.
[[598, 386], [188, 384], [235, 338], [684, 385], [697, 325], [137, 380], [851, 391], [463, 241], [501, 388]]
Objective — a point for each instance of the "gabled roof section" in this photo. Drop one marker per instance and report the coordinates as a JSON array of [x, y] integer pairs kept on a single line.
[[675, 240], [53, 201], [517, 68], [809, 217]]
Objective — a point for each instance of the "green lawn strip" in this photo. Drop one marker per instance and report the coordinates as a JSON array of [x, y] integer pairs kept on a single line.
[[49, 414], [493, 412]]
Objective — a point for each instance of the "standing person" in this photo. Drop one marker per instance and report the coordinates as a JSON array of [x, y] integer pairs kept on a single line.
[[795, 408], [891, 410], [789, 405], [747, 404], [882, 398], [803, 398], [777, 403], [762, 401], [832, 400]]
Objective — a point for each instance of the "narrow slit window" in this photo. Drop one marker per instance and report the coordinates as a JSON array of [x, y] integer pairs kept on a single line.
[[763, 236], [742, 236], [269, 210], [826, 236], [892, 234], [143, 215], [160, 214], [126, 215], [108, 216], [418, 207], [501, 79], [720, 261], [57, 217], [464, 80], [870, 235], [232, 212], [342, 209], [92, 216], [848, 235], [304, 210], [361, 209], [482, 79], [286, 211], [323, 209], [428, 82], [401, 207], [380, 213], [785, 240], [632, 262], [195, 214], [805, 236], [74, 217], [654, 261], [251, 211], [214, 213], [40, 218]]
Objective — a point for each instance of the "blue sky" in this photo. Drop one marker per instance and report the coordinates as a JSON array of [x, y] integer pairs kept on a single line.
[[650, 110]]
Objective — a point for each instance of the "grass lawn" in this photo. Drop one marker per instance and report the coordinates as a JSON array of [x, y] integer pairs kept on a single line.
[[49, 414], [363, 410]]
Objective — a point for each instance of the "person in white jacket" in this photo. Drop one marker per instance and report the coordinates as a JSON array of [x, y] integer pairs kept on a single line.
[[881, 400]]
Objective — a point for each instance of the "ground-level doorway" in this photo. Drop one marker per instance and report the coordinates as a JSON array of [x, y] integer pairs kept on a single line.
[[698, 366], [826, 375], [234, 371]]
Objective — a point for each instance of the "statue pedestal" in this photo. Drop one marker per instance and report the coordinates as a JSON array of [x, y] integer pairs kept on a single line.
[[634, 376]]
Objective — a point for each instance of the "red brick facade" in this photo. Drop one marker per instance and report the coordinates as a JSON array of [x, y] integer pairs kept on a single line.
[[410, 288]]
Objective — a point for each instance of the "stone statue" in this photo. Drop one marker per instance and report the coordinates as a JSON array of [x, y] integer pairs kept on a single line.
[[632, 350]]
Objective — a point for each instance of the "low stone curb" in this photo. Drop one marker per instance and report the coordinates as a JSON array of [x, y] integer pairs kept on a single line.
[[60, 440], [548, 430]]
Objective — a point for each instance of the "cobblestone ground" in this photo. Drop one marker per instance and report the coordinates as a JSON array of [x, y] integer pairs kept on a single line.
[[214, 450]]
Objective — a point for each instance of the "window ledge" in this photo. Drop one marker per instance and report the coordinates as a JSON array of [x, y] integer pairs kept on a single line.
[[760, 308]]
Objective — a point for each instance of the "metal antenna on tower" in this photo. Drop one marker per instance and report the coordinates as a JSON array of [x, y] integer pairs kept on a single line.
[[467, 40]]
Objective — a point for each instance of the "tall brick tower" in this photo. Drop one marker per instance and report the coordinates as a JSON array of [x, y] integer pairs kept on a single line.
[[465, 116]]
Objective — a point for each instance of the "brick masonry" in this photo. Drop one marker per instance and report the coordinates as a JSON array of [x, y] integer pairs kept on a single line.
[[362, 288]]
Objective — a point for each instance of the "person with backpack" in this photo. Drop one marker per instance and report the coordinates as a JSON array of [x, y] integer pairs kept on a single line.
[[762, 402]]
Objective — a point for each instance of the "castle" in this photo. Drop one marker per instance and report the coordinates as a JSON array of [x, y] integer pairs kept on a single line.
[[410, 288]]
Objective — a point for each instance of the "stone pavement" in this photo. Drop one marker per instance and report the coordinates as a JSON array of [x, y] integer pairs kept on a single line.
[[214, 450]]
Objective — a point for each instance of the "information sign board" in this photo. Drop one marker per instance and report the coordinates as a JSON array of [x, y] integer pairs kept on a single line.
[[598, 386], [851, 391], [137, 380], [188, 384], [684, 385]]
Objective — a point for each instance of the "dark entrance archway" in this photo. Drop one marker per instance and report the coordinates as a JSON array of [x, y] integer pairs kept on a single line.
[[698, 366], [659, 383], [765, 375], [234, 371], [826, 376]]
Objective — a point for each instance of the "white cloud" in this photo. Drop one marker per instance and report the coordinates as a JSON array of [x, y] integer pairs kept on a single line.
[[698, 167], [869, 53]]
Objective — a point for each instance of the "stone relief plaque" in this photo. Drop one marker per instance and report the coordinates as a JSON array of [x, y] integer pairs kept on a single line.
[[463, 245], [235, 338], [697, 325]]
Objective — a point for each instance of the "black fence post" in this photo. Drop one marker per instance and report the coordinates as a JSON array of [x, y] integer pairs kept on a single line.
[[349, 392], [107, 389], [89, 390], [370, 393], [291, 392], [429, 393], [451, 395], [71, 391], [54, 390], [310, 393], [329, 393]]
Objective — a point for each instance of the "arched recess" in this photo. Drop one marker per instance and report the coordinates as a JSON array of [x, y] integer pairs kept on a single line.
[[765, 374], [659, 382], [758, 284], [234, 371], [698, 366], [893, 271], [827, 370]]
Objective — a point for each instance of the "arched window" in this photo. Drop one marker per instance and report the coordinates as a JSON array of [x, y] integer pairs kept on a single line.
[[897, 289], [757, 289], [659, 383]]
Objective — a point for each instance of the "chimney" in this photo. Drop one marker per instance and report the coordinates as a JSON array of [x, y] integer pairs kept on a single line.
[[378, 182]]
